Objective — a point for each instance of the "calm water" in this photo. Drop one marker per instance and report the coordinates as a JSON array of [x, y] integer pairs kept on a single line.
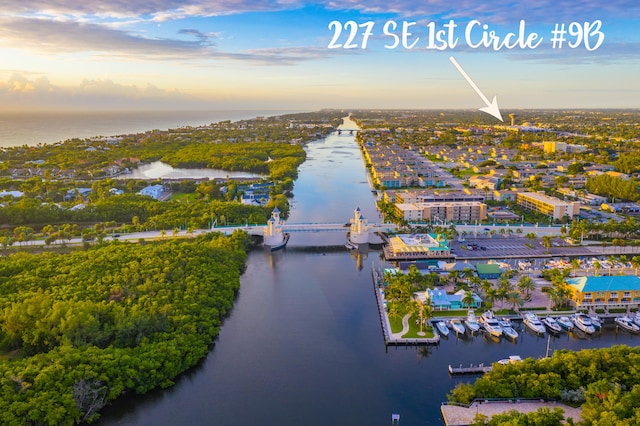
[[303, 344], [32, 128], [160, 170]]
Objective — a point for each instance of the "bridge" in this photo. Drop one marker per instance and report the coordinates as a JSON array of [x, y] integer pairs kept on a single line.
[[347, 130], [358, 229]]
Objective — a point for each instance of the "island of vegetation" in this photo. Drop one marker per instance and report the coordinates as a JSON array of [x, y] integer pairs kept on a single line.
[[604, 382]]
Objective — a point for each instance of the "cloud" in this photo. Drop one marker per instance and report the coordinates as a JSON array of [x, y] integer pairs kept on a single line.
[[499, 11], [20, 91], [159, 10], [611, 54], [55, 37]]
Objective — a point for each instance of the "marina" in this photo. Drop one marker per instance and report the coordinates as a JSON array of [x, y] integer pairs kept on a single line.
[[321, 336]]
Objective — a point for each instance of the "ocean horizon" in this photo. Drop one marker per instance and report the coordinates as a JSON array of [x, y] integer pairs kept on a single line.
[[46, 127]]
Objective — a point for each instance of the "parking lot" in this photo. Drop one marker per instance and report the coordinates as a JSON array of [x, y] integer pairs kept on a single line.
[[497, 247]]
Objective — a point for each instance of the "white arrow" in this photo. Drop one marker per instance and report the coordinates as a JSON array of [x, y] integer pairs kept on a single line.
[[491, 107]]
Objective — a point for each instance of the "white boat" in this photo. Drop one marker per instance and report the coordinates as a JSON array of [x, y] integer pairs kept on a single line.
[[507, 329], [595, 322], [442, 328], [491, 324], [565, 323], [583, 323], [636, 319], [627, 323], [472, 322], [511, 360], [457, 326], [551, 324], [531, 320]]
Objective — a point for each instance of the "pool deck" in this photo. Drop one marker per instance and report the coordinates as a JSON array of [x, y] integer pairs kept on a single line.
[[455, 415]]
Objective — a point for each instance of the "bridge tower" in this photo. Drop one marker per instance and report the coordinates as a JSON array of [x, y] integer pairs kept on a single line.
[[359, 229], [273, 232]]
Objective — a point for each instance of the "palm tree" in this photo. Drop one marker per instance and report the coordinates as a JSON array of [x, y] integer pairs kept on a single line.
[[163, 233], [453, 276], [526, 286], [468, 273], [486, 286], [531, 237], [611, 260], [635, 262], [596, 267], [546, 242], [515, 300], [468, 300], [575, 264]]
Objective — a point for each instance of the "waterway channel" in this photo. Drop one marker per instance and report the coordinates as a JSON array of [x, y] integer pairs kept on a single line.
[[303, 344]]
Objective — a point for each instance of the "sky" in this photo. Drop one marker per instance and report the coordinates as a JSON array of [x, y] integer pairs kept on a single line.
[[303, 55]]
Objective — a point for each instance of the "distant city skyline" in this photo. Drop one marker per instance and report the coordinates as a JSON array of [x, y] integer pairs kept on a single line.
[[275, 54]]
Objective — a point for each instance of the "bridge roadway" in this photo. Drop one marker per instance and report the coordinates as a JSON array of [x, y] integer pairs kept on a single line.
[[306, 227]]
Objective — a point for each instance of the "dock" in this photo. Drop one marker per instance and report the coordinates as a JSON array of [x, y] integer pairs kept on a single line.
[[389, 339], [471, 369], [462, 415]]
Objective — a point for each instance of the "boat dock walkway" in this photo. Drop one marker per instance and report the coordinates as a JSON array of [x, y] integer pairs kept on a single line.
[[471, 369], [462, 415]]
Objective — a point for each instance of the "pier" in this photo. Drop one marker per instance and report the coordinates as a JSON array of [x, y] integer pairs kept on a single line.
[[389, 338], [471, 369]]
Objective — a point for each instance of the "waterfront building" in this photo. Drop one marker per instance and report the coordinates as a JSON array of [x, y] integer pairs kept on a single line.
[[489, 271], [549, 206], [618, 291], [464, 211], [440, 300], [416, 246]]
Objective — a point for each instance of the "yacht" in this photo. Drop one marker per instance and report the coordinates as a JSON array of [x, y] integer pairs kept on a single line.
[[531, 320], [595, 322], [583, 323], [491, 324], [513, 359], [627, 323], [442, 328], [507, 329], [552, 325], [471, 322], [565, 323], [457, 326]]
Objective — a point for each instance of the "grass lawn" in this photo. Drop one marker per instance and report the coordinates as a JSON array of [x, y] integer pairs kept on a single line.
[[414, 329], [183, 196]]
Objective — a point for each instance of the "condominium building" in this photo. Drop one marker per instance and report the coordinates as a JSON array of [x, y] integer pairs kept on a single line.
[[549, 206], [464, 211], [619, 291]]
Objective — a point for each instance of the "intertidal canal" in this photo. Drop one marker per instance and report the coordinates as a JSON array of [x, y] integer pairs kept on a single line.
[[303, 344]]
